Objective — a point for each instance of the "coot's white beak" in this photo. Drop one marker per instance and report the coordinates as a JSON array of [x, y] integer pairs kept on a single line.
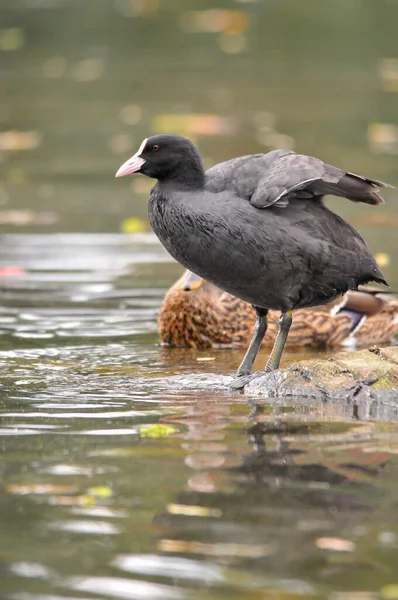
[[133, 164]]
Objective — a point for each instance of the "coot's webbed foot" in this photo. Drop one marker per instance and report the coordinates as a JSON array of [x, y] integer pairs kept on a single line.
[[260, 329], [285, 322]]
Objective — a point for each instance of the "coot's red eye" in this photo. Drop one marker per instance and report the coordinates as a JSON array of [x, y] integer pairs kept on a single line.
[[155, 148]]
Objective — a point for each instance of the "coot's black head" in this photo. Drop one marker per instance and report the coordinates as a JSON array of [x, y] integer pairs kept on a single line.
[[167, 158]]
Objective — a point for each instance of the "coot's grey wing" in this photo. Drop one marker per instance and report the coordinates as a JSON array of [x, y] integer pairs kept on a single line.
[[243, 174], [299, 176]]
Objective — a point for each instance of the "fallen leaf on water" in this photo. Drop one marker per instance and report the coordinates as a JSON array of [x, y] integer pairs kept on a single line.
[[27, 217], [335, 544], [156, 431], [9, 271], [193, 511], [40, 488], [100, 491], [389, 592], [134, 225], [84, 500], [219, 549], [19, 140], [351, 595]]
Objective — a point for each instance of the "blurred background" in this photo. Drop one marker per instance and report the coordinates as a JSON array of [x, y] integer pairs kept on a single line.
[[84, 81]]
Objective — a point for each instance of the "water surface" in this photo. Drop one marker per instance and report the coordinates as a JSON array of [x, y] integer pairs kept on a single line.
[[130, 471]]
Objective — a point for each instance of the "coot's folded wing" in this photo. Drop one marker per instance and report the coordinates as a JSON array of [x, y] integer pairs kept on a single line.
[[242, 175], [299, 176], [276, 178]]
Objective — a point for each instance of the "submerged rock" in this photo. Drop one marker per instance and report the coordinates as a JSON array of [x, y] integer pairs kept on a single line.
[[371, 373]]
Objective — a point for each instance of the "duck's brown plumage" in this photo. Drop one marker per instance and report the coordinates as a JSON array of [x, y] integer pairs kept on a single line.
[[208, 317]]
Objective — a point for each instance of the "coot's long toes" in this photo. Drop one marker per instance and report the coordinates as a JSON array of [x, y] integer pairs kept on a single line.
[[240, 382]]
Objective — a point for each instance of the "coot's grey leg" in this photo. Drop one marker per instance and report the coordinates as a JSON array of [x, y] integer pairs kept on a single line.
[[285, 322], [260, 328]]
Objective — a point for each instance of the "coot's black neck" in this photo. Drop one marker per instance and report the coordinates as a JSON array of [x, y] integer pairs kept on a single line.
[[188, 174]]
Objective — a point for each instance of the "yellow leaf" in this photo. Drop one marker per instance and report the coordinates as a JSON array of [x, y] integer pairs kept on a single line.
[[156, 431], [100, 491], [134, 225], [389, 592]]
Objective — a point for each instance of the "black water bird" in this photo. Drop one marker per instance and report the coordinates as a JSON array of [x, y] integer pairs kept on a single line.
[[256, 227]]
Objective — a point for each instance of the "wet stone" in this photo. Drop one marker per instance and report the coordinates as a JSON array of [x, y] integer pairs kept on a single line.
[[371, 373]]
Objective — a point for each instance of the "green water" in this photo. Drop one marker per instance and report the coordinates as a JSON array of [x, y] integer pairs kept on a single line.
[[128, 470]]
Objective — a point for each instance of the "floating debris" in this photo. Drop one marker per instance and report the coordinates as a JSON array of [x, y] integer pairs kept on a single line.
[[27, 217], [134, 225], [156, 431], [193, 510], [10, 271], [335, 544]]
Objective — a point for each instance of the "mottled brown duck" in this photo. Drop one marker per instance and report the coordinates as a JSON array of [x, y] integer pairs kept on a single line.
[[196, 314]]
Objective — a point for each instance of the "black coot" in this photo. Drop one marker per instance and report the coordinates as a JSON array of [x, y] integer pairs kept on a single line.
[[256, 226]]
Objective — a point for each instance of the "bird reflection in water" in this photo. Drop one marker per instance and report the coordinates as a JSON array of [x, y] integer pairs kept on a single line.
[[308, 475]]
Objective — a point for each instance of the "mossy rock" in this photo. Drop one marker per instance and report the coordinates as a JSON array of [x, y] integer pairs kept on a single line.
[[375, 369]]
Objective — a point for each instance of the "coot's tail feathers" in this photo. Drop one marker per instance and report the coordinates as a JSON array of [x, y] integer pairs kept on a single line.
[[381, 280], [378, 277], [291, 176], [357, 188]]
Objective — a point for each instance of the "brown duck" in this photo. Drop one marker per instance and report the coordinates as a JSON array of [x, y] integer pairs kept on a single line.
[[196, 314]]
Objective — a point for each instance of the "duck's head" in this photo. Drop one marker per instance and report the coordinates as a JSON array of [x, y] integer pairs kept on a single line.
[[190, 313], [192, 288], [166, 157], [189, 282]]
